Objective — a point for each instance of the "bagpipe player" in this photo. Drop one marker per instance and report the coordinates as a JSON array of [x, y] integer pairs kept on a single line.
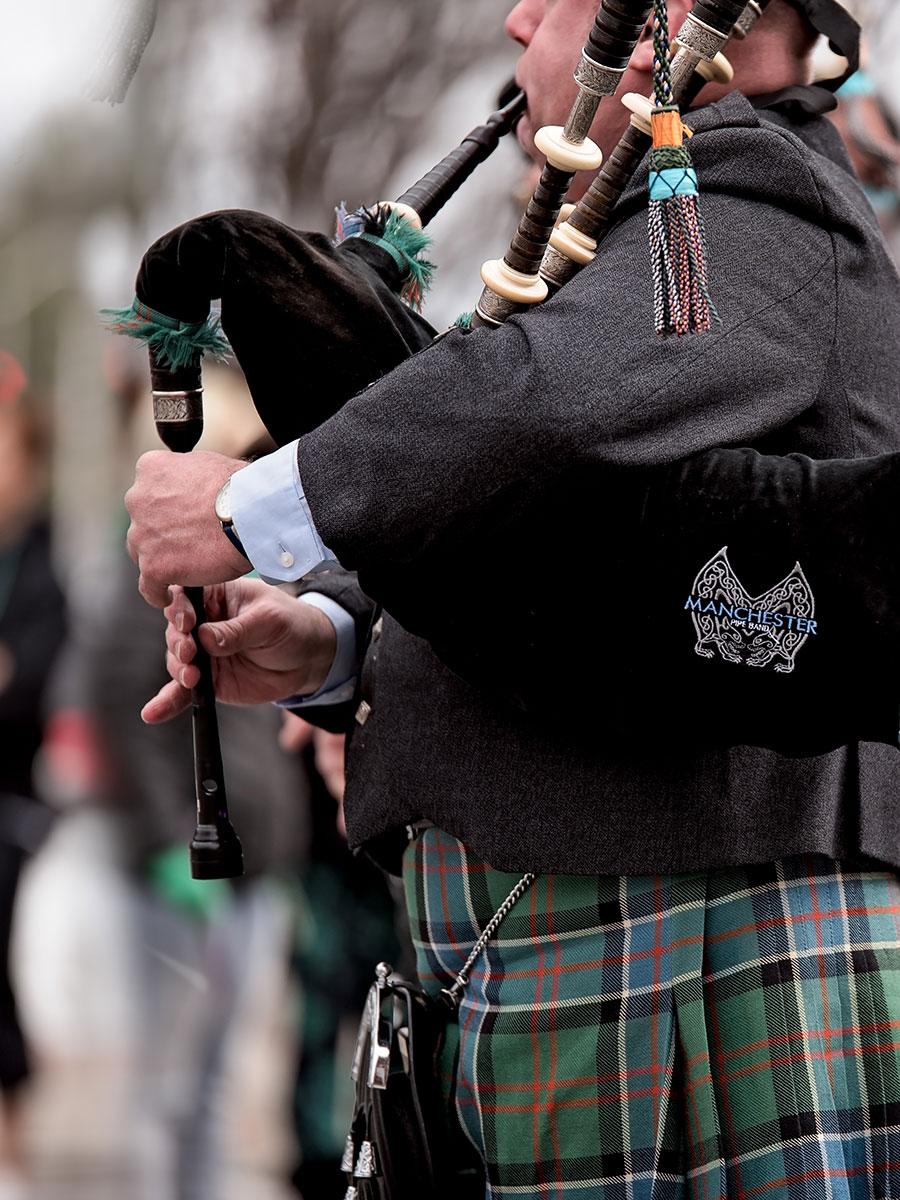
[[699, 992]]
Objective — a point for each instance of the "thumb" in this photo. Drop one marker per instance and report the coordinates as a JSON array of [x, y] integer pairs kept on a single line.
[[221, 638]]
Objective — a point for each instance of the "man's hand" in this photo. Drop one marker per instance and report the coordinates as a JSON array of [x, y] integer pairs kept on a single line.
[[175, 535], [264, 645]]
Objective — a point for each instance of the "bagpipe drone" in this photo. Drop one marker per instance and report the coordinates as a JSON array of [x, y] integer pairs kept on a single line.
[[346, 314]]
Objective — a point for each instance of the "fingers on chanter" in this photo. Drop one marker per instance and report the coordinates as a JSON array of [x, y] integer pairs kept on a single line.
[[181, 647], [187, 674], [179, 612], [168, 702], [214, 602]]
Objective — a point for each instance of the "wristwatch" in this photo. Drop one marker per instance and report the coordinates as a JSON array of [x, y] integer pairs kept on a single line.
[[223, 512]]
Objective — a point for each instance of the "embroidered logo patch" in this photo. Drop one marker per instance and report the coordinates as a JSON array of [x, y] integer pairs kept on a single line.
[[754, 631]]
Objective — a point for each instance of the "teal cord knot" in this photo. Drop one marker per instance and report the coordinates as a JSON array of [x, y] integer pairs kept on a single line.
[[674, 181], [175, 344], [405, 243]]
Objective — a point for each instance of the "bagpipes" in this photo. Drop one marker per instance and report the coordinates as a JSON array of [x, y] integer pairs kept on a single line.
[[345, 315], [346, 312]]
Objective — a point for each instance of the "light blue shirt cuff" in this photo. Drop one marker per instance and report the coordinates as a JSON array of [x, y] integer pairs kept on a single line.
[[340, 682], [272, 519]]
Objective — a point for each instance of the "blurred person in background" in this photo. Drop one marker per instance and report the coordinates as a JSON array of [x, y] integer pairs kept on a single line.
[[199, 949], [871, 137], [32, 619]]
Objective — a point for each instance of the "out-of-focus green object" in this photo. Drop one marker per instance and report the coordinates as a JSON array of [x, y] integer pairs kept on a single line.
[[170, 875]]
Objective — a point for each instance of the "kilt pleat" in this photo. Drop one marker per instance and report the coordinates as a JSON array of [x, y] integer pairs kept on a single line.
[[727, 1033]]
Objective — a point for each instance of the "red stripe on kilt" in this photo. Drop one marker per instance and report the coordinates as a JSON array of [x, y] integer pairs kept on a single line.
[[894, 889], [798, 1035], [712, 1008], [578, 1081], [801, 919], [615, 960], [461, 868], [823, 982], [543, 1106], [445, 902], [537, 1107], [832, 1173], [785, 1060], [554, 996]]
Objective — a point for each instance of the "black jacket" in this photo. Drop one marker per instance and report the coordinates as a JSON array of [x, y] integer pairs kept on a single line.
[[501, 461]]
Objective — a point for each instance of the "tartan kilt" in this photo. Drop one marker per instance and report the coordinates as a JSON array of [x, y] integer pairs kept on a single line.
[[723, 1033]]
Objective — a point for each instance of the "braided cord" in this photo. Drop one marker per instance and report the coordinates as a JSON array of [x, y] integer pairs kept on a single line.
[[662, 71]]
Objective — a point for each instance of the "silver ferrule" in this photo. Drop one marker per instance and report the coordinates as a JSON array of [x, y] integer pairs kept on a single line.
[[178, 406], [700, 39], [367, 1164], [599, 81], [494, 309], [557, 268], [581, 117], [747, 20], [682, 69]]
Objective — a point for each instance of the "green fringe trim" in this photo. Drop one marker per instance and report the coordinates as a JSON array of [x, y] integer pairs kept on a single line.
[[464, 321], [400, 237], [174, 343]]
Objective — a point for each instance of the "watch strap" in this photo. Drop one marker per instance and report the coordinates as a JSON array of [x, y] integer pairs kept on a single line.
[[231, 533]]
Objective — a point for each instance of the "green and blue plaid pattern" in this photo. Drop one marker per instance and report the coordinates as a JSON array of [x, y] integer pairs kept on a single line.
[[727, 1033]]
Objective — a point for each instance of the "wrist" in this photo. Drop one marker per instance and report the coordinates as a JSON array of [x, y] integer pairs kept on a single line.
[[226, 520], [317, 635]]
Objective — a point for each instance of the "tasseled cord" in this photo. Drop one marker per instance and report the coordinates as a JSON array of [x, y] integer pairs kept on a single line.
[[681, 300], [399, 238], [175, 343]]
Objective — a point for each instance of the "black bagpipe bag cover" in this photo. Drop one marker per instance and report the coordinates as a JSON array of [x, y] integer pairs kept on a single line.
[[731, 598], [310, 323]]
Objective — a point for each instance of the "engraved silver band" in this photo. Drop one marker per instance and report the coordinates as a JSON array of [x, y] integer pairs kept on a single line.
[[598, 80], [178, 406], [495, 309], [701, 39], [581, 117], [557, 268], [747, 20]]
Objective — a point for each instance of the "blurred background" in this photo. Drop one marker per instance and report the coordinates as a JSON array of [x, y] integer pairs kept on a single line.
[[158, 1040], [163, 1024]]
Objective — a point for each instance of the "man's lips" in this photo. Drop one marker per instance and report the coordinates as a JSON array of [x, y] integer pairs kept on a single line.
[[525, 131], [525, 138]]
